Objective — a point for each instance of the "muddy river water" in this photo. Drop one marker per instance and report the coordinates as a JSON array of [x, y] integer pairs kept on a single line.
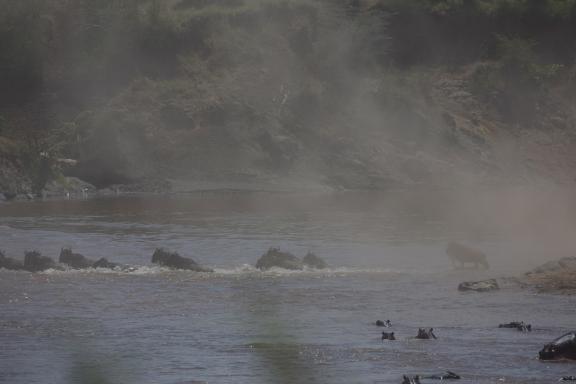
[[239, 325]]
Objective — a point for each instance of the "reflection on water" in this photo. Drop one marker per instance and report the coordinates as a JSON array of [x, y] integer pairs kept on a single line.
[[240, 325]]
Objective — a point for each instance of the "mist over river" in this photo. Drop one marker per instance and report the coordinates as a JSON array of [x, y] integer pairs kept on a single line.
[[239, 325]]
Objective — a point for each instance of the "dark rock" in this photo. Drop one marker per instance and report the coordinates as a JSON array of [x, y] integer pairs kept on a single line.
[[564, 264], [74, 260], [35, 262], [479, 286], [568, 378], [276, 258], [175, 261], [563, 347], [313, 261], [460, 255], [10, 263]]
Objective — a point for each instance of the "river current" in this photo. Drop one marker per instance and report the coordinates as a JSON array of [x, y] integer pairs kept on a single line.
[[239, 325]]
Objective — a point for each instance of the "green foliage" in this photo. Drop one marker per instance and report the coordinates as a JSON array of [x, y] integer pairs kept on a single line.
[[519, 62], [559, 9]]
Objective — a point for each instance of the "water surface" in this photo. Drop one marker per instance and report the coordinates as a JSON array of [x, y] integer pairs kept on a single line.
[[240, 325]]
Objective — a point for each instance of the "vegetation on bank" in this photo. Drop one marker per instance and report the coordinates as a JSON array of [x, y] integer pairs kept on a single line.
[[144, 89]]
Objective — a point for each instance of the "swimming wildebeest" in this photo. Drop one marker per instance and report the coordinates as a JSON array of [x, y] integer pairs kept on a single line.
[[563, 347], [388, 336], [449, 375], [410, 380], [74, 260], [380, 323], [444, 376], [460, 255], [424, 334], [519, 325], [175, 261]]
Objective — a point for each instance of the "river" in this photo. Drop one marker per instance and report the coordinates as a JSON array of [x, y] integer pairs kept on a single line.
[[239, 325]]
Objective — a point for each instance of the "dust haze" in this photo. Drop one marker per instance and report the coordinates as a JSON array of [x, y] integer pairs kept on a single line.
[[476, 124]]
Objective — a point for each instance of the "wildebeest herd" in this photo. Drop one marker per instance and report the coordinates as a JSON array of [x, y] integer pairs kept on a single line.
[[563, 347]]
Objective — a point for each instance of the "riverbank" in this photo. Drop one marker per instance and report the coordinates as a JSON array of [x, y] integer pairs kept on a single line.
[[553, 277], [368, 95]]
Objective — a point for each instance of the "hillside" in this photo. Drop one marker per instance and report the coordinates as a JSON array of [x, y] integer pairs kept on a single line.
[[348, 95]]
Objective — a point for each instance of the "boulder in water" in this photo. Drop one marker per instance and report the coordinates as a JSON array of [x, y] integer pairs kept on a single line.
[[313, 261], [479, 286], [74, 260], [276, 258], [175, 261]]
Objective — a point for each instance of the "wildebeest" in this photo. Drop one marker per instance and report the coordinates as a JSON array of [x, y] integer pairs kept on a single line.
[[175, 261], [519, 325], [380, 323], [424, 334], [449, 375], [388, 336], [410, 380], [460, 255], [74, 260]]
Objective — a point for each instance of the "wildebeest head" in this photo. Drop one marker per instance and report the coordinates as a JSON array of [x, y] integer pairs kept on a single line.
[[160, 256]]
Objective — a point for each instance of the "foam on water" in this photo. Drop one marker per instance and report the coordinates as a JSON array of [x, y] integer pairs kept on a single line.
[[241, 270]]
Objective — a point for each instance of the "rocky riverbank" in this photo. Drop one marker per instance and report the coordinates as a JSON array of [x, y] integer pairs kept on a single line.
[[553, 277]]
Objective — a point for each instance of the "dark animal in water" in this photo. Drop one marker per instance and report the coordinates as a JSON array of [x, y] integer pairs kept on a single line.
[[568, 378], [104, 263], [380, 323], [460, 255], [175, 261], [563, 347], [313, 261], [35, 262], [10, 263], [424, 334], [519, 325], [74, 260], [445, 376], [274, 257], [479, 286], [410, 380], [388, 336]]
